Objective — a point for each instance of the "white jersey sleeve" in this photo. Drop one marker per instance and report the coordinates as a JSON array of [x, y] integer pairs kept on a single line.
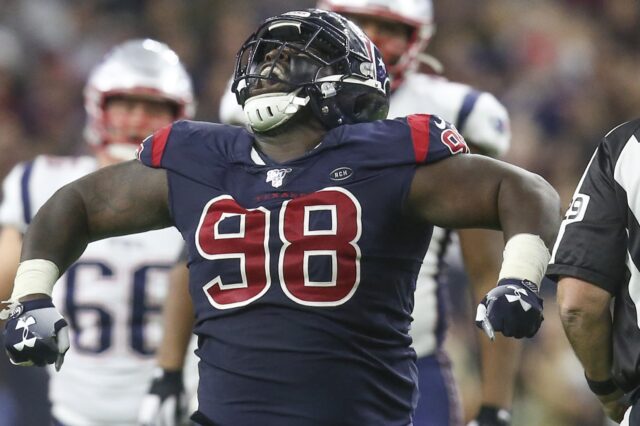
[[487, 126], [479, 116], [12, 208], [230, 112]]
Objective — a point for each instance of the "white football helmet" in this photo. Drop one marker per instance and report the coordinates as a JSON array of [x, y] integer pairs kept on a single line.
[[416, 14], [136, 67]]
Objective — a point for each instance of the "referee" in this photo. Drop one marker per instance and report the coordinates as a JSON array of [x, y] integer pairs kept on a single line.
[[596, 260]]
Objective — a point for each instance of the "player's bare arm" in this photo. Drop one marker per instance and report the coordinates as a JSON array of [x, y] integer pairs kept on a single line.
[[167, 386], [179, 319], [498, 196], [468, 191], [117, 200], [10, 243]]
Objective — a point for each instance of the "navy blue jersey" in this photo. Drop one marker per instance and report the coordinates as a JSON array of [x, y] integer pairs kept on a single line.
[[302, 273]]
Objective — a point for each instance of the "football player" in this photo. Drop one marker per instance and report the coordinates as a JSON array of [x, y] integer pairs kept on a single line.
[[305, 236], [112, 296], [401, 29]]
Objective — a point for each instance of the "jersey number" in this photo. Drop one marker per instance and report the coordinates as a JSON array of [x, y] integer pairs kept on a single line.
[[99, 312], [318, 264]]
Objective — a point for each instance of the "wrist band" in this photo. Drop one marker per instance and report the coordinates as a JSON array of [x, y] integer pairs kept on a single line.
[[604, 387], [34, 276], [525, 256]]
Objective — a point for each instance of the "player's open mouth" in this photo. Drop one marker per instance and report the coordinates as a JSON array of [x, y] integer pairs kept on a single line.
[[271, 70]]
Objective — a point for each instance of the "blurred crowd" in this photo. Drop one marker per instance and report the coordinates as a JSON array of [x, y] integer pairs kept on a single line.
[[565, 69]]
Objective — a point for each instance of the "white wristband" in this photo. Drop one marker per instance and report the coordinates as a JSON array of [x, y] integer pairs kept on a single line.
[[34, 276], [525, 256]]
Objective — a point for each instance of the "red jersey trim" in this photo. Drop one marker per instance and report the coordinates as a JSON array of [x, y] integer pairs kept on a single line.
[[419, 125], [158, 144]]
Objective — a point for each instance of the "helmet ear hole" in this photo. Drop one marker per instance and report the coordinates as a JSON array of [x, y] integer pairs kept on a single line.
[[368, 107]]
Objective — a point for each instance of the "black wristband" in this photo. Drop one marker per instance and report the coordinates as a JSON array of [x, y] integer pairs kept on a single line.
[[492, 415], [601, 388]]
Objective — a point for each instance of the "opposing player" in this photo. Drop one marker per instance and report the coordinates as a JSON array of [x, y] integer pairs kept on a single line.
[[112, 296], [305, 237]]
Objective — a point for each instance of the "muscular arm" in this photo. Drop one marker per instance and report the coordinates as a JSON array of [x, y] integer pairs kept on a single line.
[[472, 191], [117, 200], [499, 360], [178, 321]]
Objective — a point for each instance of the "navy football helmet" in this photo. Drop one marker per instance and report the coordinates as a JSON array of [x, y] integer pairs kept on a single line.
[[312, 57]]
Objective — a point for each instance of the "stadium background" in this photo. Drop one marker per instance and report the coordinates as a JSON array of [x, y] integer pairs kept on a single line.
[[565, 69]]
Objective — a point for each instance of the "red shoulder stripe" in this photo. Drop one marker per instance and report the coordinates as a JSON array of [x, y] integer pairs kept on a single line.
[[419, 125], [158, 144]]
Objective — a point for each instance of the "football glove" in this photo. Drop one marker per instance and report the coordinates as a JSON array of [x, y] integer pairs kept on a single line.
[[36, 334], [165, 404], [513, 308], [491, 416]]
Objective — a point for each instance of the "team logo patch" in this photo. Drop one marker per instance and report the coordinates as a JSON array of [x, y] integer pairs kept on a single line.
[[341, 173], [276, 177]]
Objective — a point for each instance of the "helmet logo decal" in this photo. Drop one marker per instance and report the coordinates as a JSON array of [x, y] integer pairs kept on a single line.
[[276, 177]]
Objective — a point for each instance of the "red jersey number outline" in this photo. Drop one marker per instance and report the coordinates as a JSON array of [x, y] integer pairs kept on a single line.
[[250, 246], [454, 141]]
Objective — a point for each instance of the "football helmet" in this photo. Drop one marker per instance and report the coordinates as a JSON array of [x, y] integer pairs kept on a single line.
[[141, 67], [312, 57], [415, 14]]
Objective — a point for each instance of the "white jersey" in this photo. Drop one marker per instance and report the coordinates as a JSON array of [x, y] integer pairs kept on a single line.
[[484, 122], [111, 298]]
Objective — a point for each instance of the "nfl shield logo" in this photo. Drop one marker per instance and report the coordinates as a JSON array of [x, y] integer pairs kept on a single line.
[[276, 176]]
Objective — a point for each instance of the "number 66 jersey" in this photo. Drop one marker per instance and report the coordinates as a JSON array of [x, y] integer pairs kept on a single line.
[[111, 297], [302, 273]]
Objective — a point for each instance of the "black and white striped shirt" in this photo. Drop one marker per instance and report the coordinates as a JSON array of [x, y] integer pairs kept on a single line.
[[599, 240]]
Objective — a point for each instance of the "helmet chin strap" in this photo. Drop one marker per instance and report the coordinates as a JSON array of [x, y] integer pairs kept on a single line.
[[268, 111]]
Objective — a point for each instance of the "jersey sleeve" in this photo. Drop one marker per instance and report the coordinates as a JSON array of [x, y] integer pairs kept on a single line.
[[151, 151], [434, 139], [485, 123], [591, 243], [196, 150], [12, 206]]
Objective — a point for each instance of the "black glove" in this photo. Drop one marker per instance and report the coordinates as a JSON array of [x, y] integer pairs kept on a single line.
[[491, 416], [165, 404], [36, 334], [513, 308]]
